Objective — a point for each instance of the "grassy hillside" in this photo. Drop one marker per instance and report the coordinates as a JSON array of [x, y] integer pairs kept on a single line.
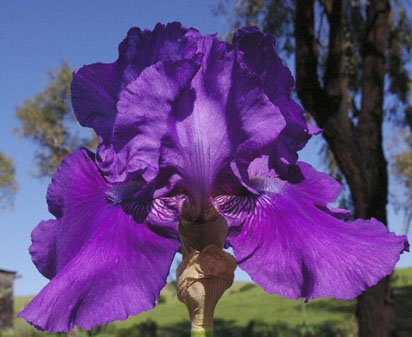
[[245, 302]]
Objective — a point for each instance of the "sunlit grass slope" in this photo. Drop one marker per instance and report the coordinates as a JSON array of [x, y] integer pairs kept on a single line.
[[244, 302]]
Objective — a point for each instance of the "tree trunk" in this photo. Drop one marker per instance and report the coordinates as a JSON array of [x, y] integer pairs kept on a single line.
[[375, 309], [357, 148]]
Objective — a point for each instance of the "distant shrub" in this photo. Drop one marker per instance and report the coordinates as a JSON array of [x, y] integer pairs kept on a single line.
[[246, 287], [261, 329], [97, 331], [161, 300], [27, 332], [304, 330], [144, 329], [226, 328], [180, 329]]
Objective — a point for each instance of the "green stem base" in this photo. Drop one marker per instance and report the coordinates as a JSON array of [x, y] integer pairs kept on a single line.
[[201, 333]]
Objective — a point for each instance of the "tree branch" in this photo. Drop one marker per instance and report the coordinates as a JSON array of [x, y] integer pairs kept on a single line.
[[329, 105], [307, 82], [369, 131]]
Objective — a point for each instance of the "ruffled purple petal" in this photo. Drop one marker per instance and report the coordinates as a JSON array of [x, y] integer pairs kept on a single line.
[[236, 107], [292, 247], [94, 91], [144, 108], [96, 88], [104, 264], [260, 56]]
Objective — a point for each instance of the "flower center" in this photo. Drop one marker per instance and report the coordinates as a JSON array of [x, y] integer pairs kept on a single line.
[[208, 228], [266, 184]]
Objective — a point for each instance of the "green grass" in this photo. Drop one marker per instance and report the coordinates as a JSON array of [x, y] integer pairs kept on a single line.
[[403, 300], [244, 302]]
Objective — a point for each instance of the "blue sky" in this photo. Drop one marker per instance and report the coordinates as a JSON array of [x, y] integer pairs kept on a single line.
[[36, 36]]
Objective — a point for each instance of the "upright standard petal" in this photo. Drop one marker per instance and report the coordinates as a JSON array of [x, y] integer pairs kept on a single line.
[[232, 105], [144, 109], [96, 88], [103, 264], [223, 116], [260, 56], [291, 245]]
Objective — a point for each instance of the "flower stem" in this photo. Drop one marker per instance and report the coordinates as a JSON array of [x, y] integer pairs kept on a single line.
[[201, 333], [202, 279]]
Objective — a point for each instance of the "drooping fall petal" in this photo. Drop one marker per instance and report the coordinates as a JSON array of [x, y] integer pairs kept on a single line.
[[291, 245], [103, 265]]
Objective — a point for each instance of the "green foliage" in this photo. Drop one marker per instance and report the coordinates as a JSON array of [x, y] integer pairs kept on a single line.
[[247, 287], [161, 300], [241, 12], [8, 185], [29, 333], [402, 171], [48, 120], [260, 329], [144, 329], [275, 16], [247, 311], [400, 44], [98, 331]]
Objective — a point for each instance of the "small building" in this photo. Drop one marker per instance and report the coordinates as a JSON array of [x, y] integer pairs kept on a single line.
[[6, 299]]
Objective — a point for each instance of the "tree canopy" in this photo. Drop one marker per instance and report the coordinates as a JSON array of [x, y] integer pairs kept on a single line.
[[8, 184], [48, 120]]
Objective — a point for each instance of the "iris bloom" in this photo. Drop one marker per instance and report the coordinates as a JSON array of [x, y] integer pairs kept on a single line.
[[190, 126]]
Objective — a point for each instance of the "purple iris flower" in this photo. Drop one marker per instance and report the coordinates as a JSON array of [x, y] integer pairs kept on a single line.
[[191, 126]]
